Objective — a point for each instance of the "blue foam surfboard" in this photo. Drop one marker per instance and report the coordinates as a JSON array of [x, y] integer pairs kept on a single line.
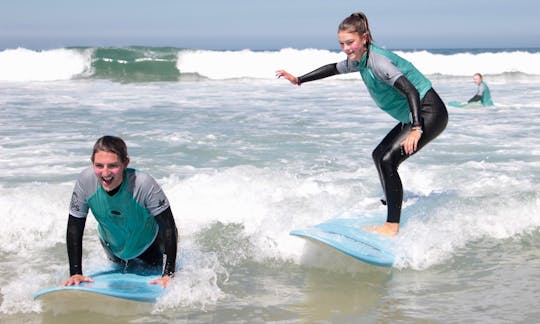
[[346, 235], [114, 283]]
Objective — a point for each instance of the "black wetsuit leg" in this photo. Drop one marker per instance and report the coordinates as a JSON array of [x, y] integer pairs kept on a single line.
[[389, 154]]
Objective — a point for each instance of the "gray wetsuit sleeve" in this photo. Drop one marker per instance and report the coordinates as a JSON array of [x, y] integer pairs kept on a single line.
[[347, 66], [384, 69], [85, 186], [480, 91], [146, 190]]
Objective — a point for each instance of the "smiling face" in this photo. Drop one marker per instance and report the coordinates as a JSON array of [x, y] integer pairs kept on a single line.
[[352, 44], [109, 169]]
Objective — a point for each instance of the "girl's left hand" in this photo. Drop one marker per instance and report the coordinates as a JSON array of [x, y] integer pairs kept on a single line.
[[410, 144], [163, 281]]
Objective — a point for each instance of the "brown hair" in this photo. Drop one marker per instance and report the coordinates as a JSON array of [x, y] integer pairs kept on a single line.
[[357, 22], [111, 144]]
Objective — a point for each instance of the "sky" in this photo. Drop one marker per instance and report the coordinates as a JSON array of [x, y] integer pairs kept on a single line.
[[267, 24]]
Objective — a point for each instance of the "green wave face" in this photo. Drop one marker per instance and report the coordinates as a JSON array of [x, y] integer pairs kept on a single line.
[[135, 64]]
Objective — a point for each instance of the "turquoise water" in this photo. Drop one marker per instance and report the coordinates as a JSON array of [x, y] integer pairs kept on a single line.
[[245, 158]]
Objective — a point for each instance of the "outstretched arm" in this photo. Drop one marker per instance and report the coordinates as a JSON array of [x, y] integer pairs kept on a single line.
[[320, 73]]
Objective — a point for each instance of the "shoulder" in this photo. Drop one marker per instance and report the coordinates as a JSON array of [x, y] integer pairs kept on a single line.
[[140, 181], [380, 58], [85, 186], [87, 179], [146, 190], [380, 62], [139, 176]]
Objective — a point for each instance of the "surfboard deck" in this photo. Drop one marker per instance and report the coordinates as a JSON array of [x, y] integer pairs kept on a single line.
[[112, 283], [347, 236]]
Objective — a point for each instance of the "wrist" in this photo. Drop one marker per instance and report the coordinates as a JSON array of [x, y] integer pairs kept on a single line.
[[418, 129], [169, 274]]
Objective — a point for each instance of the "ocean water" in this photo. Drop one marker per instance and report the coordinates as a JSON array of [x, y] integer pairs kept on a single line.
[[245, 158]]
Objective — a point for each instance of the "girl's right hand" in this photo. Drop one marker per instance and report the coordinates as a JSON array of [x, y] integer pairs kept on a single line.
[[288, 76], [76, 279]]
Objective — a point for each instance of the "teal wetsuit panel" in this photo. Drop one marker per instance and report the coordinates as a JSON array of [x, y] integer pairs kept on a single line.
[[126, 219], [486, 96], [379, 71]]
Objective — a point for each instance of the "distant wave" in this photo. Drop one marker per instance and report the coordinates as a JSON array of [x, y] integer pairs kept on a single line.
[[146, 64], [223, 65]]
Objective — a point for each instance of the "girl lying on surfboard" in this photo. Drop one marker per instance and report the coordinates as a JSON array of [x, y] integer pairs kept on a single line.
[[400, 90], [134, 218]]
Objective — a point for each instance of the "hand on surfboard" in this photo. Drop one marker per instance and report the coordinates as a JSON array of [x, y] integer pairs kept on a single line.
[[76, 279], [163, 281]]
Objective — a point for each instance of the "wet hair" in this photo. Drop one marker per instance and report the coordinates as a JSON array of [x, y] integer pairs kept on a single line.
[[357, 23], [111, 144]]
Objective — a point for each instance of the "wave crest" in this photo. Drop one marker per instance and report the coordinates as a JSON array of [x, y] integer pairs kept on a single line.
[[146, 64], [58, 64]]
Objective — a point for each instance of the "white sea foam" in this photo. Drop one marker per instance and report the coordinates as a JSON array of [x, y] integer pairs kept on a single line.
[[466, 64], [27, 65], [244, 163], [246, 63], [22, 64]]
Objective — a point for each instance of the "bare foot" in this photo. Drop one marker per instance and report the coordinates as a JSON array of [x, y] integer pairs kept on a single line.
[[387, 229]]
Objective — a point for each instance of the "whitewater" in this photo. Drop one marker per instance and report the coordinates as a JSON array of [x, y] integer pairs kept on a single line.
[[245, 158], [133, 64]]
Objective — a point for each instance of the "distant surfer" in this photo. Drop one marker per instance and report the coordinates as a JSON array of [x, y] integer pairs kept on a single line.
[[482, 95], [134, 217], [400, 90]]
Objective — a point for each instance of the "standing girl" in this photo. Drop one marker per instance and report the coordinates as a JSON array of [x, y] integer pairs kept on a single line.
[[400, 90]]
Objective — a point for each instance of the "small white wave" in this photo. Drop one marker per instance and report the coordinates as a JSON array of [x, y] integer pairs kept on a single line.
[[466, 64], [251, 64], [22, 64]]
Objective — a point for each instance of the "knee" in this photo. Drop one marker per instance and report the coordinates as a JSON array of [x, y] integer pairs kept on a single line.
[[387, 163], [376, 155]]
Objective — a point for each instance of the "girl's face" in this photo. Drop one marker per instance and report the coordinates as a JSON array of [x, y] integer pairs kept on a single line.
[[352, 44], [109, 169]]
